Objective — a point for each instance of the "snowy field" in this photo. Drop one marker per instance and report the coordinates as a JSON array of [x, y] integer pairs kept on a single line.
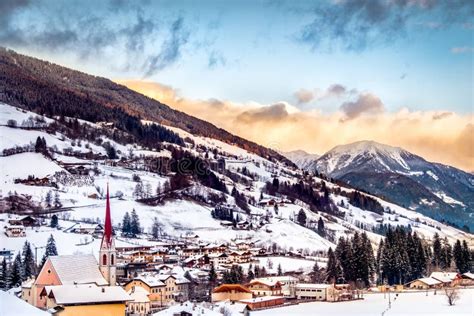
[[406, 304]]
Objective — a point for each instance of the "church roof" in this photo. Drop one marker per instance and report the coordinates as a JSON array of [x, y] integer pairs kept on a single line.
[[86, 294], [80, 269], [108, 221]]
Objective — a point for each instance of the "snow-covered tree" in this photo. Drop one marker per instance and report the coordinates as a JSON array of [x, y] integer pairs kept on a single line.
[[50, 249], [16, 272], [4, 275], [28, 264]]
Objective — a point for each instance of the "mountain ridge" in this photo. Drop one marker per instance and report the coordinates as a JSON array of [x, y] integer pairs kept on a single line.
[[25, 81], [449, 190]]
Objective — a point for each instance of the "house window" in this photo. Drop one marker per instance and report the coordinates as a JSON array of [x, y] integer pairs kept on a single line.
[[104, 259], [112, 259]]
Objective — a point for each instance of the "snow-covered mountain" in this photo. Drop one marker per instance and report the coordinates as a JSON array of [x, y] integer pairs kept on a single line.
[[437, 190], [300, 158]]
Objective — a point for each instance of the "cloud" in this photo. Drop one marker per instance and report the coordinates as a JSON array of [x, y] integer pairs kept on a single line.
[[357, 24], [337, 90], [141, 35], [304, 96], [442, 115], [274, 112], [435, 135], [365, 103], [216, 59], [462, 50], [170, 49]]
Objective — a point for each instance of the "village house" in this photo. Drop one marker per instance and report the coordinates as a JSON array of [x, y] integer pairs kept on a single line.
[[288, 283], [467, 279], [240, 256], [140, 301], [263, 302], [25, 221], [176, 288], [230, 292], [265, 288], [318, 292], [15, 231], [85, 299], [85, 228], [218, 259], [447, 279], [152, 285], [424, 284]]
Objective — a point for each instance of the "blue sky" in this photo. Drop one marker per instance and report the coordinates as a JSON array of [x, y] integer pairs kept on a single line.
[[411, 53]]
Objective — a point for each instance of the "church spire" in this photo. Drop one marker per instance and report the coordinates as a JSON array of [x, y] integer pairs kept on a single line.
[[107, 253], [108, 221]]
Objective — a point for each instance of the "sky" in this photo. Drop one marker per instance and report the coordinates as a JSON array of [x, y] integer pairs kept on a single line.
[[287, 74]]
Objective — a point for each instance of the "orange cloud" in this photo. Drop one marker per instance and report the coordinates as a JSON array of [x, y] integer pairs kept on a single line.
[[434, 135]]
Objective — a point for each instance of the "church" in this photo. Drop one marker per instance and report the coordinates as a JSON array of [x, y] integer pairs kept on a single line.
[[78, 284]]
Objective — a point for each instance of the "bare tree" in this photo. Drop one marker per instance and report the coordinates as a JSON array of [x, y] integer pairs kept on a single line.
[[452, 294]]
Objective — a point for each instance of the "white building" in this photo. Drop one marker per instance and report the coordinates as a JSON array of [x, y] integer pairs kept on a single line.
[[312, 291], [288, 283]]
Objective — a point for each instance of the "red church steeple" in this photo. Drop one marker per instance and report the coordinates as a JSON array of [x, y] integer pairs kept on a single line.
[[107, 253], [108, 221]]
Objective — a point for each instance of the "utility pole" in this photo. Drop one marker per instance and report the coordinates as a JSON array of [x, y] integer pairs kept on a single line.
[[36, 252]]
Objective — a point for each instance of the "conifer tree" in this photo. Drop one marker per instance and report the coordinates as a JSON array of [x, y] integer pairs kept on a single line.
[[15, 272], [135, 228], [467, 257], [28, 264], [50, 250], [54, 221], [321, 229], [4, 275], [212, 275], [302, 217], [49, 198], [333, 270], [279, 270], [250, 274], [437, 250], [126, 225]]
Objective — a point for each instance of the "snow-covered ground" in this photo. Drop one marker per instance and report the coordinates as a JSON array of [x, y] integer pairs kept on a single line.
[[405, 304], [11, 305]]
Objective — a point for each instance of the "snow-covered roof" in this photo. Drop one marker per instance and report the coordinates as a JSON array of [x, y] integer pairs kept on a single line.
[[429, 281], [150, 279], [86, 294], [444, 277], [80, 269], [469, 275], [265, 281], [10, 305], [312, 286], [28, 283], [139, 294], [231, 287]]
